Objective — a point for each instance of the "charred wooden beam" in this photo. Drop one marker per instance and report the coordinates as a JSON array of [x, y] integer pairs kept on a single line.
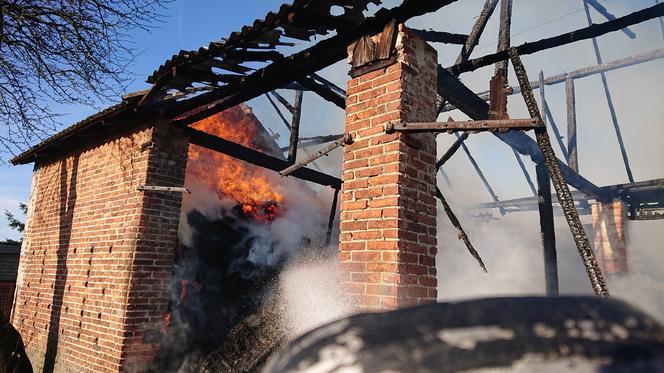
[[324, 91], [609, 101], [283, 101], [562, 190], [547, 230], [298, 65], [462, 233], [295, 128], [473, 37], [475, 33], [256, 158], [452, 149], [470, 125], [441, 36], [279, 113], [345, 140], [333, 214], [563, 39], [504, 33], [603, 11]]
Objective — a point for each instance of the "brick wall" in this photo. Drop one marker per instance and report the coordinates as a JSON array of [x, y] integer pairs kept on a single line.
[[388, 209], [609, 224], [98, 254]]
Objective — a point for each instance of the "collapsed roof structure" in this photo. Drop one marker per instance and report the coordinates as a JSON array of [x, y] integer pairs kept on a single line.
[[262, 58]]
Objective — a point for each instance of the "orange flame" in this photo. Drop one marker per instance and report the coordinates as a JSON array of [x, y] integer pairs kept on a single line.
[[232, 178]]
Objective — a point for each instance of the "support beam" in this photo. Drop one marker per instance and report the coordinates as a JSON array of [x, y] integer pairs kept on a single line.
[[562, 190], [462, 233], [295, 127], [609, 101], [563, 39], [323, 91], [474, 36], [345, 140], [570, 100], [276, 108], [282, 100], [257, 158], [441, 36], [469, 125], [547, 230], [450, 152], [333, 214], [475, 33]]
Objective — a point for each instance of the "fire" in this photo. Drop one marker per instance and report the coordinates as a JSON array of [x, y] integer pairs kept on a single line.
[[232, 178]]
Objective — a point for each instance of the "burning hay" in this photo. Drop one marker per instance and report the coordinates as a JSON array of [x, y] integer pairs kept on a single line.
[[239, 227]]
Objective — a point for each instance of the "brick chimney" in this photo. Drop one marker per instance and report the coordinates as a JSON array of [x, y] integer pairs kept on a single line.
[[609, 222], [388, 210]]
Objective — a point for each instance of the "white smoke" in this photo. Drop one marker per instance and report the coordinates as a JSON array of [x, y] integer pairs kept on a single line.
[[309, 292], [512, 251]]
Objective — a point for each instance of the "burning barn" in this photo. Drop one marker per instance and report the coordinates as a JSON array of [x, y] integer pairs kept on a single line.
[[156, 227]]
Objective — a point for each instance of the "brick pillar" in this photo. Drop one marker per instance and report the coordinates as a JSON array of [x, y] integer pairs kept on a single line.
[[388, 210], [609, 229]]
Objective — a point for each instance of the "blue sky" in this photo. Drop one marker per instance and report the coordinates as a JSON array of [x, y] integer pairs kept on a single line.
[[191, 24]]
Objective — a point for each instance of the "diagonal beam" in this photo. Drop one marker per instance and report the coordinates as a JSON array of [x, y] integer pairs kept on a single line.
[[324, 91], [257, 158]]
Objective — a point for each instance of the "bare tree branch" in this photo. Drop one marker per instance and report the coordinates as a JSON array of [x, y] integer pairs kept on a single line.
[[63, 52]]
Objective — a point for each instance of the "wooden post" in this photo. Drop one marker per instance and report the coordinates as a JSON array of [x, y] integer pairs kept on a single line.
[[572, 155], [546, 114], [504, 33], [295, 128], [547, 229]]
